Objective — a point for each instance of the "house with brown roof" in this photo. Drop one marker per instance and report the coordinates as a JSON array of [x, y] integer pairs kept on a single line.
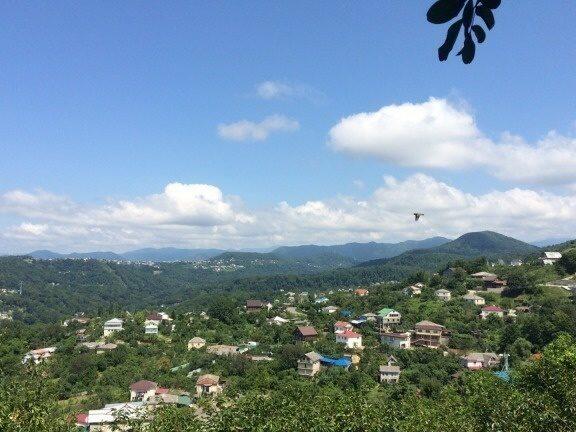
[[491, 310], [255, 306], [427, 334], [142, 390], [309, 365], [361, 292], [208, 384], [306, 333]]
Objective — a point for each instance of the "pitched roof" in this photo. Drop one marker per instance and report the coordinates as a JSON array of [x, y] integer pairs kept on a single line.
[[307, 331], [483, 274], [342, 324], [385, 311], [143, 386], [389, 369], [552, 255], [154, 316], [208, 380], [350, 334], [197, 339], [114, 321], [313, 356], [442, 291], [429, 325], [492, 308], [254, 303]]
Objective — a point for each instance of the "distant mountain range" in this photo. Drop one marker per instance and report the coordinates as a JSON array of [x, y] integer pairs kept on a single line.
[[407, 253], [339, 255], [148, 254]]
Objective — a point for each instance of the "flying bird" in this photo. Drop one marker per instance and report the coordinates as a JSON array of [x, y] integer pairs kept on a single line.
[[417, 216]]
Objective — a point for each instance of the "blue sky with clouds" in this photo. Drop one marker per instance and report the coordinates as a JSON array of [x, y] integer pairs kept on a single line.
[[102, 106]]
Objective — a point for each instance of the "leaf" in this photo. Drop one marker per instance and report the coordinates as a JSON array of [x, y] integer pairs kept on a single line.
[[468, 50], [444, 10], [451, 36], [486, 14], [468, 14], [492, 4], [479, 32]]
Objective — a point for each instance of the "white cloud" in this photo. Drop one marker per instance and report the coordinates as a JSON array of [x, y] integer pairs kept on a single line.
[[245, 130], [438, 134], [197, 215], [282, 90]]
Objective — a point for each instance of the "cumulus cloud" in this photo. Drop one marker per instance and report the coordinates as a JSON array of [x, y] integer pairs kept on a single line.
[[245, 130], [197, 215], [438, 134]]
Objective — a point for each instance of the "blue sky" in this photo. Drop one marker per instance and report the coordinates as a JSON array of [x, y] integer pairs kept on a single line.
[[103, 104]]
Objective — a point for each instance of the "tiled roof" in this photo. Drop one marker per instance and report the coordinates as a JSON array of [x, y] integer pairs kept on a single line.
[[143, 386]]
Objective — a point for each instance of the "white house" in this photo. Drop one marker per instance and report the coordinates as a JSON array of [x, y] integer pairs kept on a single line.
[[350, 339], [107, 418], [491, 310], [208, 384], [550, 258], [474, 361], [329, 309], [142, 390], [38, 355], [396, 340], [113, 325], [474, 298], [342, 326], [151, 328], [390, 373], [386, 318], [413, 290], [278, 320], [443, 294]]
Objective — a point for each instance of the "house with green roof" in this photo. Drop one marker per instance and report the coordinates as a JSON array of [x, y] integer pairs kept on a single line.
[[387, 318]]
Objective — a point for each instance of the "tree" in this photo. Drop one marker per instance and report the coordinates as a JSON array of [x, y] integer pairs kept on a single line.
[[443, 11], [568, 261]]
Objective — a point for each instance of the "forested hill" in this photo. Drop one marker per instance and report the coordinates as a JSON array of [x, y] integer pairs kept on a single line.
[[358, 251], [488, 244]]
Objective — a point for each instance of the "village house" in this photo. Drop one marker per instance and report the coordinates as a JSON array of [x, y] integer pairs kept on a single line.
[[102, 348], [428, 334], [38, 355], [516, 262], [150, 328], [222, 350], [322, 300], [254, 306], [443, 294], [413, 290], [351, 339], [481, 275], [493, 284], [396, 340], [342, 326], [306, 333], [113, 325], [387, 318], [112, 416], [550, 257], [208, 384], [476, 360], [309, 365], [329, 309], [196, 343], [278, 320], [361, 292], [390, 373], [369, 316], [474, 298], [491, 310], [142, 390]]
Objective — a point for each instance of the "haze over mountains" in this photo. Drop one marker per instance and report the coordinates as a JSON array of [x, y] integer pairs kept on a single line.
[[346, 254]]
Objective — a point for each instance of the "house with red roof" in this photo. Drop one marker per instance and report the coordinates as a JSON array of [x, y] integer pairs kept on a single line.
[[491, 310], [208, 384], [361, 292], [342, 326], [142, 390], [350, 338]]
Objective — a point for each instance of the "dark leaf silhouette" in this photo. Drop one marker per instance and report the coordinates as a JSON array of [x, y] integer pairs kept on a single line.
[[492, 4], [486, 14], [451, 37], [468, 51], [468, 14], [444, 10], [479, 32]]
